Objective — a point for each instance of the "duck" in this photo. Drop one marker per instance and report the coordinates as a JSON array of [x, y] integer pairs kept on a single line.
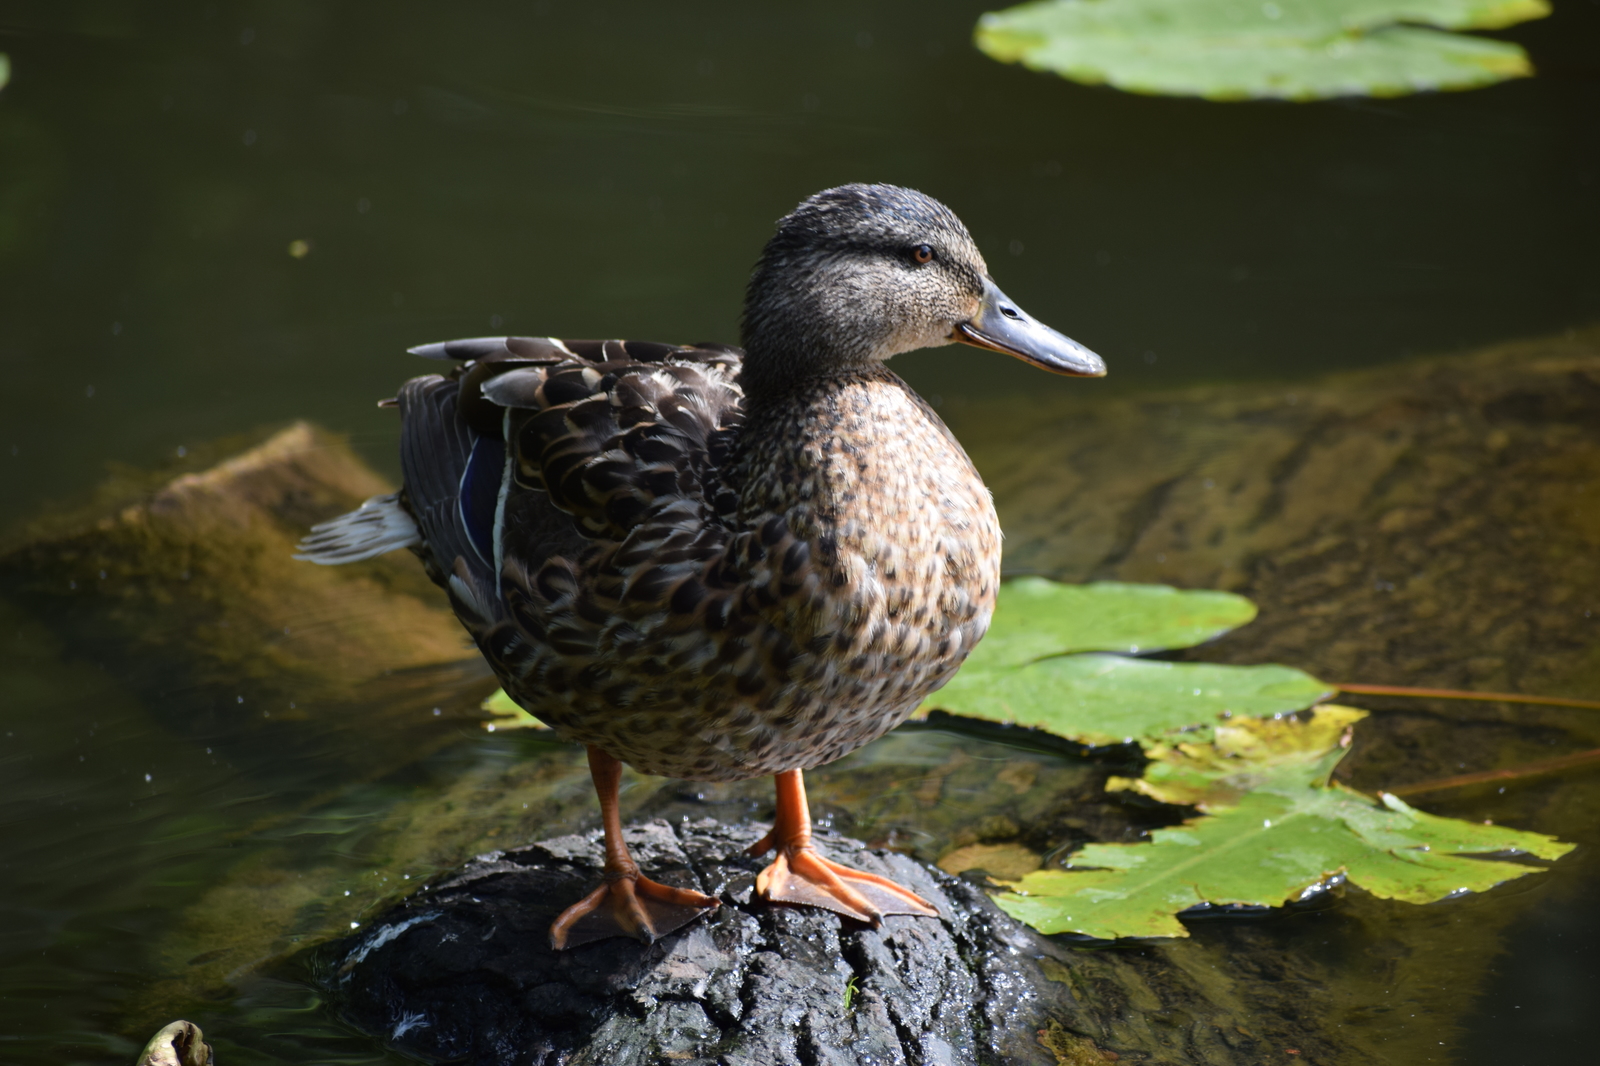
[[718, 563]]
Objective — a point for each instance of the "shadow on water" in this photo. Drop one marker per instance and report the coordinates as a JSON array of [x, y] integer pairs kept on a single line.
[[213, 757]]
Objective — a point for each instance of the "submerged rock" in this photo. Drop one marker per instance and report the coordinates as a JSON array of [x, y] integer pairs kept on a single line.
[[187, 591], [463, 971], [1435, 521]]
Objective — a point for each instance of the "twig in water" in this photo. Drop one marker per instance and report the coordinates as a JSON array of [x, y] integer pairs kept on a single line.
[[1463, 694], [1542, 766]]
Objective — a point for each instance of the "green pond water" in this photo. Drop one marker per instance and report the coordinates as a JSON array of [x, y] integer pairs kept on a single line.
[[612, 169]]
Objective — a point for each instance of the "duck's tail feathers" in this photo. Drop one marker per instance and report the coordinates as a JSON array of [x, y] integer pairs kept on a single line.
[[380, 525]]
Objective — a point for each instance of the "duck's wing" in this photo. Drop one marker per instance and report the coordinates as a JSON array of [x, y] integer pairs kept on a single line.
[[623, 432], [536, 451], [537, 448]]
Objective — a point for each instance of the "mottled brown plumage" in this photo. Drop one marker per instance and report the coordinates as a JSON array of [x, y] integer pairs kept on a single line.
[[717, 565]]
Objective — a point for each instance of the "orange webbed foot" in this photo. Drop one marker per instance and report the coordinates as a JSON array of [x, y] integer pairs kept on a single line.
[[800, 875], [629, 906]]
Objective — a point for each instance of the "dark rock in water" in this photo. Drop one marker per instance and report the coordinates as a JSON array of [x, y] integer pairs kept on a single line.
[[463, 971]]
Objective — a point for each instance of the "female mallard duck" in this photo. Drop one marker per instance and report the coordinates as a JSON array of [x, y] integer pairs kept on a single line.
[[715, 564]]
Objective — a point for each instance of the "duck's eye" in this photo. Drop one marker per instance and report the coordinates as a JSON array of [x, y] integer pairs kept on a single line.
[[922, 253]]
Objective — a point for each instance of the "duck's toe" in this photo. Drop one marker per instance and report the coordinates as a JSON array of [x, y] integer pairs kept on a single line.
[[800, 875], [629, 906]]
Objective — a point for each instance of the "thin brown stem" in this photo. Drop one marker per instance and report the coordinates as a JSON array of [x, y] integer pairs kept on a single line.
[[1463, 694], [1513, 773]]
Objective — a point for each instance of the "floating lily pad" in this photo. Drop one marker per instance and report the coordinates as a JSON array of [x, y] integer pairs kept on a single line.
[[1035, 618], [1284, 49], [1285, 838], [1246, 754], [1109, 699], [1021, 672]]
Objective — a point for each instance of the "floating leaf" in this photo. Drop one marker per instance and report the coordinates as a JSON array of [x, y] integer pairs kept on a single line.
[[1286, 838], [1268, 850], [1247, 753], [1284, 49], [1108, 699], [1035, 618]]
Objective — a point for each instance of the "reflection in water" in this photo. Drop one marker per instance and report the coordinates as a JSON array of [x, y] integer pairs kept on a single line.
[[218, 216]]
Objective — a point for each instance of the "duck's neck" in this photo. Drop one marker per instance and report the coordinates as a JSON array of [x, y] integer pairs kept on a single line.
[[820, 412], [780, 363], [772, 380], [796, 330]]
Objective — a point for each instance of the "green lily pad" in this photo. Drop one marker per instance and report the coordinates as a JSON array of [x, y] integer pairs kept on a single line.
[[1109, 699], [1283, 49], [1035, 618], [1270, 849], [1286, 836], [1246, 754]]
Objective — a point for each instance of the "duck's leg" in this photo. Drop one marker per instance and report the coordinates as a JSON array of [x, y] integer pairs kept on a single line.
[[628, 904], [800, 875]]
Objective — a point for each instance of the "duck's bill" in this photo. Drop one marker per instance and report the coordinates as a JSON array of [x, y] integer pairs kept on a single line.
[[1001, 326]]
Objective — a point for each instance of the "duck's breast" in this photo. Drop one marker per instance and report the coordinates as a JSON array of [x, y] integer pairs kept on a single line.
[[903, 536]]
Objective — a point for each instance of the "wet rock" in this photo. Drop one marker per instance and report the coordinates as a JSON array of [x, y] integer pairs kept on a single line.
[[463, 970]]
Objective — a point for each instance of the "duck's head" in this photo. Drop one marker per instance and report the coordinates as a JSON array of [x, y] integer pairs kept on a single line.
[[860, 273]]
